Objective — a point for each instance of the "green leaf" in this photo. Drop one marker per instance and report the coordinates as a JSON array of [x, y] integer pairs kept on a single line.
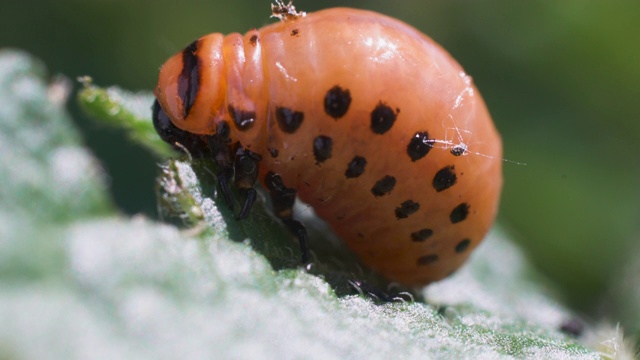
[[79, 281], [124, 109]]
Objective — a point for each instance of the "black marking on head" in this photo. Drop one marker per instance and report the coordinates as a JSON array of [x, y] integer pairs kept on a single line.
[[383, 186], [162, 123], [189, 78], [273, 152], [445, 178], [253, 40], [322, 148], [407, 208], [427, 259], [295, 32], [288, 120], [459, 213], [244, 120], [355, 167], [458, 150], [195, 144], [421, 235], [462, 246], [337, 101], [420, 145], [382, 118]]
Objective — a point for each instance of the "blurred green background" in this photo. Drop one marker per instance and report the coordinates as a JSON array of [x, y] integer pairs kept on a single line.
[[562, 80]]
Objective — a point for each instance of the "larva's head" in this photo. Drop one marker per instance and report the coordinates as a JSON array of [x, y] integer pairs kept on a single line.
[[191, 89]]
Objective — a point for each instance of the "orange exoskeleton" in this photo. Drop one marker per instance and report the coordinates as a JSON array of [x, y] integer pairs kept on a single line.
[[360, 116]]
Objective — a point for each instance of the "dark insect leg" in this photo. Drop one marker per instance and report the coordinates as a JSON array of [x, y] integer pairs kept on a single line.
[[220, 146], [378, 295], [371, 291], [283, 199], [246, 168]]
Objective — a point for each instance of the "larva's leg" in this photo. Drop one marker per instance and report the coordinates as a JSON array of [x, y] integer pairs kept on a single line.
[[220, 146], [246, 168], [283, 199]]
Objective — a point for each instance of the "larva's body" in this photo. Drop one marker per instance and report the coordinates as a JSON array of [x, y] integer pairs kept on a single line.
[[364, 118]]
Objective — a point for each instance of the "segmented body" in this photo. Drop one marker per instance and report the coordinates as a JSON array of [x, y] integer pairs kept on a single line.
[[362, 117]]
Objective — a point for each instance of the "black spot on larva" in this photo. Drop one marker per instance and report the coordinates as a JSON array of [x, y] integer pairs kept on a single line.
[[383, 186], [355, 167], [459, 213], [244, 120], [360, 235], [288, 120], [189, 78], [427, 259], [445, 178], [463, 245], [382, 118], [273, 152], [253, 40], [295, 32], [421, 235], [458, 150], [420, 145], [407, 208], [322, 148], [337, 101]]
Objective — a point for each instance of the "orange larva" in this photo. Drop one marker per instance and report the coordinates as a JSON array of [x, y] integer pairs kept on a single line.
[[359, 115]]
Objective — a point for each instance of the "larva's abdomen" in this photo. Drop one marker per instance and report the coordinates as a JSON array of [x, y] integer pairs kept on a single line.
[[377, 128]]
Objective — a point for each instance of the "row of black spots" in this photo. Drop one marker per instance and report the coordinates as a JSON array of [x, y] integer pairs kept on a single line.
[[430, 259], [189, 78], [338, 100], [424, 234]]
